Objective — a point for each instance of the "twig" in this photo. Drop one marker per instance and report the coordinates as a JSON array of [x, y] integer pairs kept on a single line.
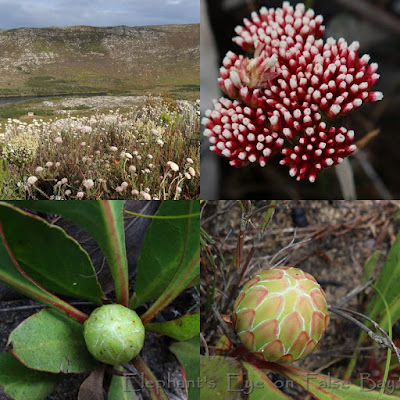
[[382, 341], [366, 139], [287, 247], [224, 210], [205, 345], [223, 324], [246, 207]]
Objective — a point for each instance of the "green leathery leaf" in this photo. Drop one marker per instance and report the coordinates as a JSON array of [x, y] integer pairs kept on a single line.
[[22, 383], [387, 283], [49, 256], [370, 266], [170, 257], [323, 387], [183, 328], [103, 220], [12, 276], [50, 341], [221, 378], [260, 387], [188, 354], [121, 387]]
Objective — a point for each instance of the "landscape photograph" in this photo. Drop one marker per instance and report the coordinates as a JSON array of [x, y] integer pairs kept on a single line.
[[98, 100]]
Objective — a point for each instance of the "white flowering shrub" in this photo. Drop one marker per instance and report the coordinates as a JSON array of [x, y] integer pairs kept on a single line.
[[21, 149]]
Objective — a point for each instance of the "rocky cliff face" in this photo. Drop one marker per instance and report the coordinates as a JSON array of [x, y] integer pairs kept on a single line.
[[92, 59]]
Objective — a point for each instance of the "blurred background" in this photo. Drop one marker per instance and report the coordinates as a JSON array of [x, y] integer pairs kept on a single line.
[[373, 172]]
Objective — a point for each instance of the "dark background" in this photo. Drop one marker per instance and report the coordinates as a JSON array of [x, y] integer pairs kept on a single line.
[[376, 25]]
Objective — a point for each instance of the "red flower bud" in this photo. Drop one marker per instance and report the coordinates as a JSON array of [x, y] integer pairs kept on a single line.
[[292, 84]]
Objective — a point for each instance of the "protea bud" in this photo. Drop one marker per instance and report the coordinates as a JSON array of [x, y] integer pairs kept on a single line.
[[114, 334], [281, 314]]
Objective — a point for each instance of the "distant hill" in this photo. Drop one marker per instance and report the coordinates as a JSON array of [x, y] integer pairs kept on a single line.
[[85, 59]]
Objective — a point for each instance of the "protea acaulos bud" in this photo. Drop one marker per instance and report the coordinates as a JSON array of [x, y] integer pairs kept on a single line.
[[114, 334], [281, 314]]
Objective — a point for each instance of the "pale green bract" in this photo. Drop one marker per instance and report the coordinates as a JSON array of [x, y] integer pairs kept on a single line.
[[114, 334], [281, 314]]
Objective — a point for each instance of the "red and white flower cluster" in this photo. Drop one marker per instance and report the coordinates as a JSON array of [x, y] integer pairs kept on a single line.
[[286, 97]]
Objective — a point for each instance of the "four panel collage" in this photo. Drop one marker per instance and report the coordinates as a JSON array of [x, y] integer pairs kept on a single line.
[[196, 201]]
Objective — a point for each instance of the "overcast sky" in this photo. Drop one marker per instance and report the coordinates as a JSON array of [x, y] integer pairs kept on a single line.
[[42, 13]]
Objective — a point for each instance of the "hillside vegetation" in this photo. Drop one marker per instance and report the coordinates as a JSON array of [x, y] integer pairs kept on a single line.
[[105, 60]]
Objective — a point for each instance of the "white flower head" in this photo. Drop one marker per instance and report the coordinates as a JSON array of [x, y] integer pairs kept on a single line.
[[58, 140], [192, 171], [132, 168], [145, 195], [189, 160], [124, 185], [88, 183], [173, 166], [49, 164], [187, 175], [32, 180], [80, 195], [114, 149], [39, 169]]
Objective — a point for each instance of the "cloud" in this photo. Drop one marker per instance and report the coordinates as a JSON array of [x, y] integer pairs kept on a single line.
[[42, 13]]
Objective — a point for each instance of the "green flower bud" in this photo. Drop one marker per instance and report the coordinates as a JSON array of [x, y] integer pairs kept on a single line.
[[114, 334], [281, 314]]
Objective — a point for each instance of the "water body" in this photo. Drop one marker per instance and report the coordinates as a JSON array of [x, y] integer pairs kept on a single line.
[[19, 99]]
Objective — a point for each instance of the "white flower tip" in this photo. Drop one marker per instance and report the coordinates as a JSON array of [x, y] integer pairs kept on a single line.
[[335, 109]]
